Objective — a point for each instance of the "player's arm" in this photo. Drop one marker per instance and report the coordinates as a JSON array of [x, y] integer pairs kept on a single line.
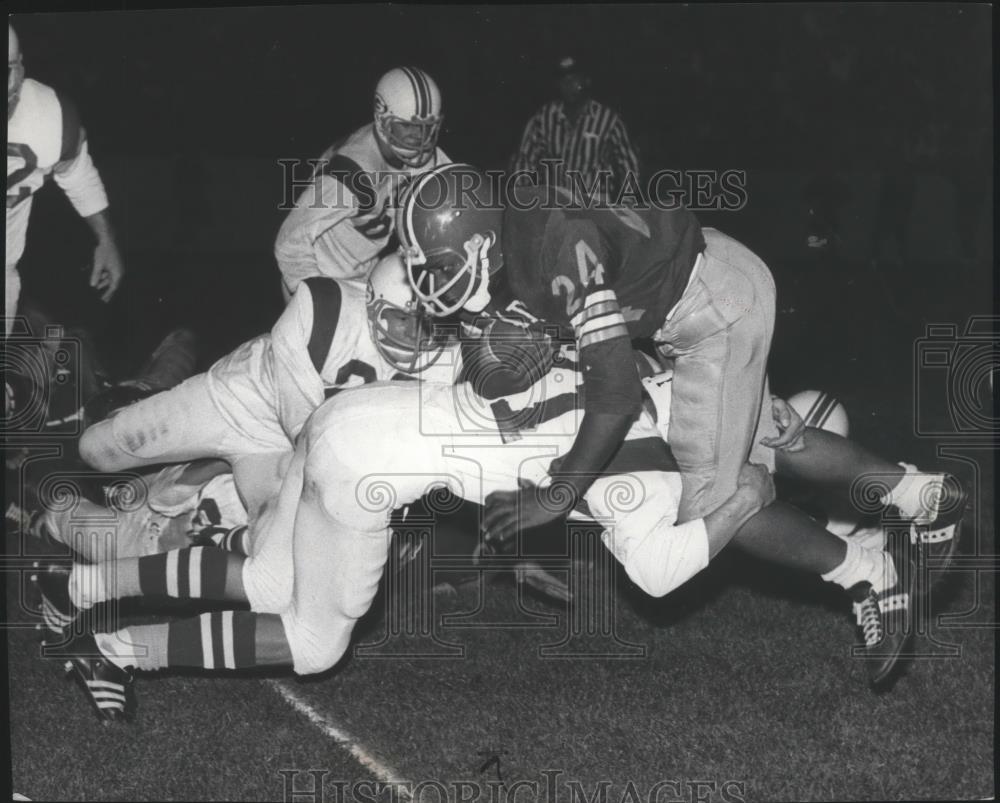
[[324, 205], [612, 399], [612, 390], [77, 175], [300, 342]]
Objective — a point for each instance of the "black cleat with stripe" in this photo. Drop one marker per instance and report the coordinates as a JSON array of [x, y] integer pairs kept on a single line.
[[108, 687], [58, 611]]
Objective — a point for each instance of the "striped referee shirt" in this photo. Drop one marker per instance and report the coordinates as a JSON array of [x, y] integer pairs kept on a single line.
[[596, 141]]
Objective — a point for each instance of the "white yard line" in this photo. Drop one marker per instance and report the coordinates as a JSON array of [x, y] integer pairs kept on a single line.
[[364, 757]]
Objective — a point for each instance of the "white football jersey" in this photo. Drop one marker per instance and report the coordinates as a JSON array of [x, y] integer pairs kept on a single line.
[[320, 346], [342, 222], [44, 137]]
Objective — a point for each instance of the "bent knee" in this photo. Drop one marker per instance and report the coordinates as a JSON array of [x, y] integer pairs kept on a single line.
[[98, 449], [313, 651]]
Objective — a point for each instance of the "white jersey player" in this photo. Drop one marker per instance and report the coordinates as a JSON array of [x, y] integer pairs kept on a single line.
[[343, 221], [45, 138], [249, 406]]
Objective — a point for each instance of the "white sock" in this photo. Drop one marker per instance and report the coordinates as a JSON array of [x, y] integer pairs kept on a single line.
[[866, 537], [86, 585], [862, 565], [917, 495]]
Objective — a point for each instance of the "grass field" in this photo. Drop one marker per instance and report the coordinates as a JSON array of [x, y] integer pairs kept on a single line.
[[740, 685]]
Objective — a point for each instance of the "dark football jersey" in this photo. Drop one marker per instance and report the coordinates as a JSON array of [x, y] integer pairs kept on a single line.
[[556, 257]]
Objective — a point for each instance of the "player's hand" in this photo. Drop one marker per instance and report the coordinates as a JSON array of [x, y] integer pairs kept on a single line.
[[529, 506], [108, 269], [757, 483], [790, 426]]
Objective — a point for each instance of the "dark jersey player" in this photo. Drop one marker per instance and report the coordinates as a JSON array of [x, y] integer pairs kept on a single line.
[[606, 277]]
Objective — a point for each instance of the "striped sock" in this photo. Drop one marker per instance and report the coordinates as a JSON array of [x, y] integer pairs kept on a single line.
[[234, 540], [219, 640], [193, 573]]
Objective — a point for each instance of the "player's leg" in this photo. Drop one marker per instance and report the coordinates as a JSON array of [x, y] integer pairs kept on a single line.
[[12, 292], [259, 478], [933, 502], [105, 663], [174, 426], [205, 573], [720, 337], [370, 450]]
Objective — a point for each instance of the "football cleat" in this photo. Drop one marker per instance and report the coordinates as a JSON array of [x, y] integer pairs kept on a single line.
[[888, 621], [938, 541], [52, 582], [109, 687]]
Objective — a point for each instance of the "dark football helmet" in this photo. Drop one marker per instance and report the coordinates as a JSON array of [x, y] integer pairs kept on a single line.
[[449, 224]]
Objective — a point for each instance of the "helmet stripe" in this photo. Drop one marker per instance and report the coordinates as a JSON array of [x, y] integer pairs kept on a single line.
[[821, 410], [418, 91], [425, 91]]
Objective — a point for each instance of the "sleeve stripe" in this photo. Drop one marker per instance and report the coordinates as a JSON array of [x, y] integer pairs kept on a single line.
[[595, 304], [600, 322], [602, 335], [609, 307], [598, 296]]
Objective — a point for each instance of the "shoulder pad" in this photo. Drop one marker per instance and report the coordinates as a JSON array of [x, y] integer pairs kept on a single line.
[[354, 178]]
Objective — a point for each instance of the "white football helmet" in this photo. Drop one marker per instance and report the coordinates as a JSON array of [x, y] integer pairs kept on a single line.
[[408, 114], [400, 328], [824, 411], [821, 410]]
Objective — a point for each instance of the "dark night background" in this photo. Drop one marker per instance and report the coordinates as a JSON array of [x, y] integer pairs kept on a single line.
[[885, 111]]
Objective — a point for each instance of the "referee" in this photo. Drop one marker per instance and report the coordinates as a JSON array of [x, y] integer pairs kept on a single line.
[[581, 137]]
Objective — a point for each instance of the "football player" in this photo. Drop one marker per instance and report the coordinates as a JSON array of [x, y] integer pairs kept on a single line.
[[324, 541], [607, 276], [249, 406], [343, 222], [45, 138]]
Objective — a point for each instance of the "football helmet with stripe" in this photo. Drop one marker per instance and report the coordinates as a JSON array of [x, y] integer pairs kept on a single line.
[[448, 223], [408, 115], [400, 328], [821, 410]]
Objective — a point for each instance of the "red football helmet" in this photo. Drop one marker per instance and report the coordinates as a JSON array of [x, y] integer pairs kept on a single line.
[[449, 223]]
